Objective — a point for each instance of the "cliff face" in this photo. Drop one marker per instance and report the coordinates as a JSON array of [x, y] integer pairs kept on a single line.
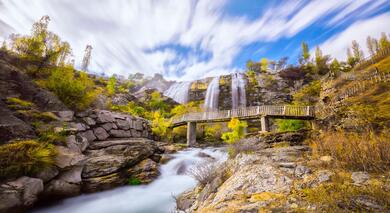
[[266, 89]]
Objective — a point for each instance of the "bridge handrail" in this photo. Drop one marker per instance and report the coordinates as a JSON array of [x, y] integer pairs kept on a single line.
[[265, 110]]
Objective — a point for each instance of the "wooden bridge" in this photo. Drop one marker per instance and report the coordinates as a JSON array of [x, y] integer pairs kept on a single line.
[[254, 112]]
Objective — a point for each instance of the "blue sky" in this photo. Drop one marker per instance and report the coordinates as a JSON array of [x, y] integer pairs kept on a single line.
[[192, 39]]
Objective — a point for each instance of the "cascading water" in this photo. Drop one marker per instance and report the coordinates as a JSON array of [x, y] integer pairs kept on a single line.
[[212, 94], [179, 91], [156, 197], [238, 91]]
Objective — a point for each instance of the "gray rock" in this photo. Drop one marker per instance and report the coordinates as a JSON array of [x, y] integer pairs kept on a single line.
[[89, 121], [76, 143], [120, 133], [88, 135], [22, 192], [136, 133], [123, 124], [82, 114], [67, 158], [367, 203], [12, 127], [47, 174], [67, 184], [301, 171], [137, 124], [65, 115], [109, 126], [101, 133], [145, 171], [78, 126], [104, 116], [324, 176], [104, 182], [113, 158], [360, 177]]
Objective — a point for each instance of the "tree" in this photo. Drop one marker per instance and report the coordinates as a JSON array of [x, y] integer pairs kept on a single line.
[[238, 131], [264, 64], [350, 58], [370, 45], [42, 46], [334, 67], [160, 126], [357, 52], [305, 56], [384, 41], [321, 62]]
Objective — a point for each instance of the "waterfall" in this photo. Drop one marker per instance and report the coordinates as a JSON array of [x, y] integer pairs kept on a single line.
[[179, 91], [212, 94], [238, 91]]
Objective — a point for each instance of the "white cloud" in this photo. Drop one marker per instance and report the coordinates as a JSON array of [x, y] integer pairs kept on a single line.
[[127, 36], [338, 44]]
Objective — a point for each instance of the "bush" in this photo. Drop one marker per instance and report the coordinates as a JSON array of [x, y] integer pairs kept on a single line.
[[286, 125], [76, 92], [356, 151], [131, 108], [111, 86], [212, 133], [204, 173], [309, 94], [25, 158], [238, 131]]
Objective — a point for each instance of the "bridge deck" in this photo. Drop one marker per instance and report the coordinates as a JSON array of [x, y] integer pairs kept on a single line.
[[286, 111]]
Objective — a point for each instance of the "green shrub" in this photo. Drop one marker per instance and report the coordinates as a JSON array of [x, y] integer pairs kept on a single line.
[[133, 181], [131, 108], [76, 92], [111, 85], [212, 133], [286, 125], [309, 94], [25, 158]]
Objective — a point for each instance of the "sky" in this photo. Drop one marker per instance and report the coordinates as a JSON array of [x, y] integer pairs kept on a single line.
[[193, 39]]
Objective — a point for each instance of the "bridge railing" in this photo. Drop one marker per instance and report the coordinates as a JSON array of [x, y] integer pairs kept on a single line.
[[270, 110]]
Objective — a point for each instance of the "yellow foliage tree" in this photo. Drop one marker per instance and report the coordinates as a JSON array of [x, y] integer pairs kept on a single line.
[[238, 131], [160, 126]]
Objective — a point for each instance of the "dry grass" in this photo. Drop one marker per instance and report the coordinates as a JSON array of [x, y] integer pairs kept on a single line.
[[355, 151], [204, 173]]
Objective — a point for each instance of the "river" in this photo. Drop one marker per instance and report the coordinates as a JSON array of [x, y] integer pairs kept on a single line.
[[156, 197]]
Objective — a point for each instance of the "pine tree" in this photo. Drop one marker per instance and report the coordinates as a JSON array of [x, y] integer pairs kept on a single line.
[[334, 67], [321, 62], [264, 64], [350, 59]]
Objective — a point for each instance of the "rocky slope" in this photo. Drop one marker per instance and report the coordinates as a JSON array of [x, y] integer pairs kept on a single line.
[[276, 176]]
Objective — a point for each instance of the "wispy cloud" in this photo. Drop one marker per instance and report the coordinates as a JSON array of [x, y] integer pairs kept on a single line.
[[127, 36]]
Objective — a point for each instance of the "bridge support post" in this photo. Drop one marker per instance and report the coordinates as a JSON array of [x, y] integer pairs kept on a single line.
[[264, 124], [191, 133]]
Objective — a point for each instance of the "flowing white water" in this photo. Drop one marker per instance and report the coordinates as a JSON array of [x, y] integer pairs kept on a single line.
[[179, 91], [157, 197], [238, 91], [212, 94]]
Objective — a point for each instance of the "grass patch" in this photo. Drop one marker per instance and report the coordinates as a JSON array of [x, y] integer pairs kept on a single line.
[[133, 181], [25, 158], [355, 151]]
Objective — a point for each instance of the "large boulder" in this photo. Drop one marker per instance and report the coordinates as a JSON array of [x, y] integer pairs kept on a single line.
[[12, 127], [108, 162], [104, 116], [89, 135], [67, 184], [146, 171], [76, 143], [117, 133], [67, 158], [100, 133], [20, 193]]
